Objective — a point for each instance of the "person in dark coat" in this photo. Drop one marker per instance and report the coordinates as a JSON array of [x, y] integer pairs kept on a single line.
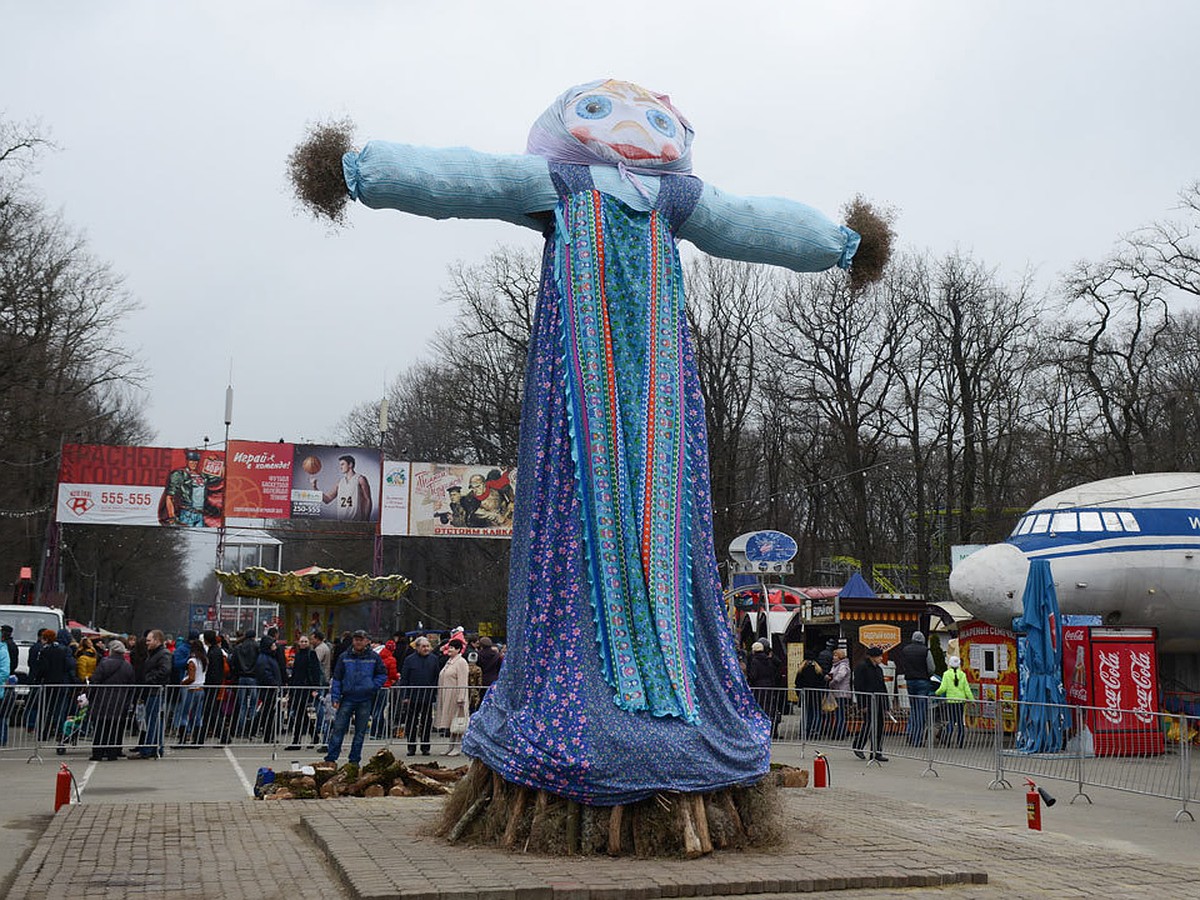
[[155, 676], [762, 674], [302, 689], [810, 684], [419, 678], [110, 695], [871, 691], [489, 661], [269, 677], [214, 675], [55, 671]]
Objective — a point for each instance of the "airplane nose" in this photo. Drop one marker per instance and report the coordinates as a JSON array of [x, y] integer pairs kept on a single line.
[[989, 583]]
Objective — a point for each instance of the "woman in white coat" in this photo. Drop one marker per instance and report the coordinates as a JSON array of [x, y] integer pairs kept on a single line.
[[452, 694]]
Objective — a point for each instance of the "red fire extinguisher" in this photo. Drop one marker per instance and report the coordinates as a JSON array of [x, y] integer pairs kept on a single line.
[[62, 787], [820, 770], [1033, 804]]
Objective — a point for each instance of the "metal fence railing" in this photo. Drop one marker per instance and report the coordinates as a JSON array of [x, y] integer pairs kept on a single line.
[[1124, 750], [107, 721]]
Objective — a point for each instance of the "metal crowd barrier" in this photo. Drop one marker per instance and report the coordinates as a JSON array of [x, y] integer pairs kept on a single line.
[[1123, 750], [39, 721]]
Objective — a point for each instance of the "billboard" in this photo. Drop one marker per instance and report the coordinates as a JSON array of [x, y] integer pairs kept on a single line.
[[459, 500], [100, 484], [393, 513], [336, 483], [260, 480]]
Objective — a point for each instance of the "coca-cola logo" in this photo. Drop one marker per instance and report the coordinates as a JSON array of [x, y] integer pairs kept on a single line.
[[1108, 673], [1143, 683]]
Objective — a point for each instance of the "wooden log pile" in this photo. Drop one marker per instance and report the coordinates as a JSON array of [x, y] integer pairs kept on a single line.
[[486, 809], [381, 776]]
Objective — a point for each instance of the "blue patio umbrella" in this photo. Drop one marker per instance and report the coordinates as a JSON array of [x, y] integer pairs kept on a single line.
[[1042, 726]]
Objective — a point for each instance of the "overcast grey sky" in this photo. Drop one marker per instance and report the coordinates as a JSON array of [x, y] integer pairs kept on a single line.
[[1029, 133]]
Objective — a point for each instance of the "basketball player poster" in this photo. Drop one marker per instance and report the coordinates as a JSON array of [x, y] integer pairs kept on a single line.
[[336, 483]]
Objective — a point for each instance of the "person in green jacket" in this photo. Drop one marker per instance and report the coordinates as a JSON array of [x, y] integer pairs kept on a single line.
[[955, 688]]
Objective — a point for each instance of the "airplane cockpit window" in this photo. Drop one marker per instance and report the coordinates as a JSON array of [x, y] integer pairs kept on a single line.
[[1041, 524], [1129, 521], [1090, 521], [1024, 525], [1064, 522], [1111, 522]]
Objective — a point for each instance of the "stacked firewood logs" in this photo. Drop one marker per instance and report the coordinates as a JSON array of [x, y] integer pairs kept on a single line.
[[381, 776]]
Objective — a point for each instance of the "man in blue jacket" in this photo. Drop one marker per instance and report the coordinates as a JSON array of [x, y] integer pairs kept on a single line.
[[357, 678]]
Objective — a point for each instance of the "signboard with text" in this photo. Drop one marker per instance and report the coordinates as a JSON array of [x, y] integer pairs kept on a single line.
[[100, 484]]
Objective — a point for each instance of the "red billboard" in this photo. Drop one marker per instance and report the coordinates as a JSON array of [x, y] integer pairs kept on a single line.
[[260, 480], [100, 484]]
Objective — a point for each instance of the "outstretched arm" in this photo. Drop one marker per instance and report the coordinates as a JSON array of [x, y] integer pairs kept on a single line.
[[768, 230], [455, 182]]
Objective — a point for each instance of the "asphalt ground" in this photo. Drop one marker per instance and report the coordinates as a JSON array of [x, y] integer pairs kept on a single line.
[[185, 822]]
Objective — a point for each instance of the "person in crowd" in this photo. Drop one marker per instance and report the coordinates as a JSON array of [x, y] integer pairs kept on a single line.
[[825, 657], [56, 672], [452, 702], [324, 653], [156, 675], [762, 674], [381, 714], [357, 677], [181, 652], [214, 677], [810, 684], [191, 718], [342, 646], [245, 655], [302, 689], [839, 690], [112, 687], [86, 659], [269, 678], [489, 661], [916, 661], [956, 689], [6, 668], [872, 692], [419, 678], [280, 654]]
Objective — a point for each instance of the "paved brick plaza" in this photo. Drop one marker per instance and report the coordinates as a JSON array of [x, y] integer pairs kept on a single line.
[[841, 840]]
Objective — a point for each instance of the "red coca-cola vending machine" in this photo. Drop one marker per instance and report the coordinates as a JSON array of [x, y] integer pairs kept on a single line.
[[1115, 670]]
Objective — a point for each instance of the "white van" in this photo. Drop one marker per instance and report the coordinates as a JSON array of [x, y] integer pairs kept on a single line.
[[26, 622]]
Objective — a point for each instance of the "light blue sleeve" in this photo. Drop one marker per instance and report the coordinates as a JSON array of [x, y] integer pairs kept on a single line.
[[768, 230], [6, 667], [451, 183]]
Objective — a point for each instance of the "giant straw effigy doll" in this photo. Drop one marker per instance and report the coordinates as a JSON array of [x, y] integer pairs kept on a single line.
[[621, 680]]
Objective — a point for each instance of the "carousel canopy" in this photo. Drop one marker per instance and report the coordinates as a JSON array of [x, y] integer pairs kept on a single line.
[[331, 587]]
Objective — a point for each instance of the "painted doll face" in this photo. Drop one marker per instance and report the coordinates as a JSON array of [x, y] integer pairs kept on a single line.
[[622, 122]]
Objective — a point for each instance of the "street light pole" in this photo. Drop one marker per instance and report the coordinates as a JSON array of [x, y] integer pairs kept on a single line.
[[220, 562]]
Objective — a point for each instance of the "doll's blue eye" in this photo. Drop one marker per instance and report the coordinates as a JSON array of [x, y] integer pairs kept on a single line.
[[662, 123], [593, 107]]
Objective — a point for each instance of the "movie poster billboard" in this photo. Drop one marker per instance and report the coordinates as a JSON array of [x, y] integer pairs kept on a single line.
[[335, 483], [101, 484], [260, 480], [453, 500], [393, 513]]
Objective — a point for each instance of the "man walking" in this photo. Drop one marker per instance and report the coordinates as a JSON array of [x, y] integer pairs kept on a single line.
[[357, 678], [156, 675], [419, 678], [918, 666], [871, 692]]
